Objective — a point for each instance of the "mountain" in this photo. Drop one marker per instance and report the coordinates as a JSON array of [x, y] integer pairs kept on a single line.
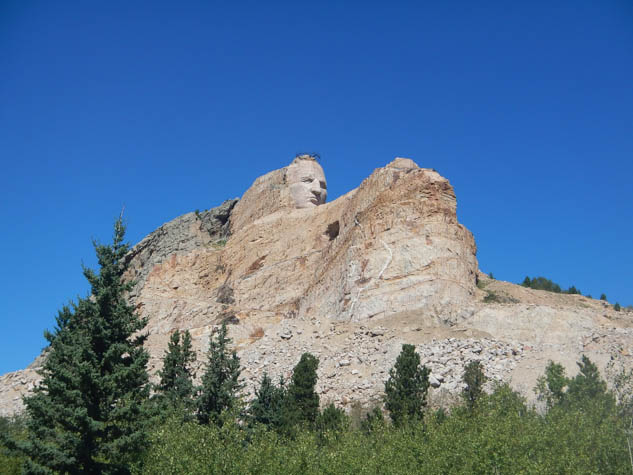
[[351, 281]]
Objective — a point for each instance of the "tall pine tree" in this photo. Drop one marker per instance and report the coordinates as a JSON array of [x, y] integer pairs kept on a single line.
[[302, 401], [268, 405], [220, 382], [407, 386], [87, 415], [176, 378], [475, 379]]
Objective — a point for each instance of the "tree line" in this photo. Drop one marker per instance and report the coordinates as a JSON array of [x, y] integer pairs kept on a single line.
[[542, 283], [95, 410]]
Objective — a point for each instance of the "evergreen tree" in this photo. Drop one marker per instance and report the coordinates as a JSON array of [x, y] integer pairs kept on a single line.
[[302, 401], [407, 386], [587, 384], [331, 419], [474, 378], [551, 387], [617, 307], [603, 296], [573, 290], [220, 382], [373, 419], [176, 378], [541, 283], [268, 406], [87, 415]]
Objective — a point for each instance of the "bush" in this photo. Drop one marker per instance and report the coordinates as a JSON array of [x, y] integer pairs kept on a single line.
[[15, 429], [541, 283], [331, 419], [573, 290], [503, 435]]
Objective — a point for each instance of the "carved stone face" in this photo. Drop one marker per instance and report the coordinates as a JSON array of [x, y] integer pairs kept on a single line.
[[307, 183]]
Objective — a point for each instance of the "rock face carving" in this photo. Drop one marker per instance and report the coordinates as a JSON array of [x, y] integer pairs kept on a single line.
[[392, 245], [306, 182], [350, 281]]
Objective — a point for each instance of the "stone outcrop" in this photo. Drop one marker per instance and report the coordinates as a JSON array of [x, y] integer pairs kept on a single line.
[[180, 236], [350, 281]]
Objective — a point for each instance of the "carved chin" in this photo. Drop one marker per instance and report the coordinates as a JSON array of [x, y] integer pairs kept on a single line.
[[308, 203]]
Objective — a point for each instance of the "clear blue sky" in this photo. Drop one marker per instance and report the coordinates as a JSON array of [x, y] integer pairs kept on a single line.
[[166, 107]]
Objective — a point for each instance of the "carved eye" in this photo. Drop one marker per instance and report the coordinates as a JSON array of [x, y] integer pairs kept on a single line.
[[323, 185], [308, 180]]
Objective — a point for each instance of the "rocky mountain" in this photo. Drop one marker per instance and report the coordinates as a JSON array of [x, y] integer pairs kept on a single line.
[[350, 281]]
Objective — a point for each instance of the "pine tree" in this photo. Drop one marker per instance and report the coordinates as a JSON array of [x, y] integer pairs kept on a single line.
[[331, 419], [176, 378], [220, 382], [474, 378], [551, 387], [87, 415], [587, 384], [302, 401], [407, 386], [268, 406]]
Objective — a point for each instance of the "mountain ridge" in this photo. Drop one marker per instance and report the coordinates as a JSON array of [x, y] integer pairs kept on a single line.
[[351, 281]]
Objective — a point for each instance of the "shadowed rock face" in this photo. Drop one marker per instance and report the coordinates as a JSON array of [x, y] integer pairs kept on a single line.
[[177, 237]]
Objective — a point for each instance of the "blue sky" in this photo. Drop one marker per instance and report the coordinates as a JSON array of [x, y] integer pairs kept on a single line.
[[168, 107]]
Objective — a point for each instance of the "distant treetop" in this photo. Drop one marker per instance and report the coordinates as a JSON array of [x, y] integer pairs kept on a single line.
[[542, 283]]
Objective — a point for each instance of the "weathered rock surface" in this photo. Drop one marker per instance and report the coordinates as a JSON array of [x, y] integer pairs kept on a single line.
[[179, 236], [351, 281]]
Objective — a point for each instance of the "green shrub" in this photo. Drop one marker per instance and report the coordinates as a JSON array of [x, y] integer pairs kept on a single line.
[[331, 419], [491, 297], [13, 428]]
